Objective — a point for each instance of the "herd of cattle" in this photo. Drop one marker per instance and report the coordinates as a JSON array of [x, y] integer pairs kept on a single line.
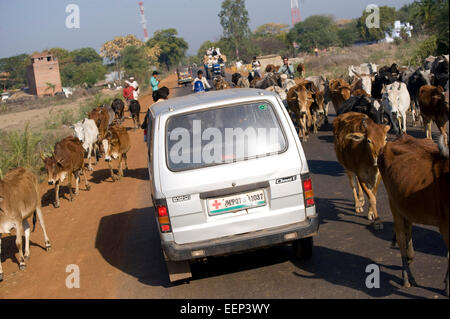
[[100, 133], [369, 104]]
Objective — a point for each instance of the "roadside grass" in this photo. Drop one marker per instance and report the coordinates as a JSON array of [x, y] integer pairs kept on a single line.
[[22, 148]]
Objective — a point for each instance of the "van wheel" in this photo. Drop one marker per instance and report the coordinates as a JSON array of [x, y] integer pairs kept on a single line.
[[303, 248]]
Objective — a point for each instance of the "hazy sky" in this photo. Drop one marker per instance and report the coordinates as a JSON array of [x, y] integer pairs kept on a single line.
[[34, 25]]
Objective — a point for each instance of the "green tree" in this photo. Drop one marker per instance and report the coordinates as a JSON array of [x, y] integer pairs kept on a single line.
[[172, 48], [348, 33], [387, 18], [442, 29], [271, 29], [315, 31], [85, 55], [16, 67], [234, 20], [136, 63]]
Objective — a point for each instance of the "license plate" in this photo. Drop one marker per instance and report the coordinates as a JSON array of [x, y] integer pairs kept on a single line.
[[234, 203]]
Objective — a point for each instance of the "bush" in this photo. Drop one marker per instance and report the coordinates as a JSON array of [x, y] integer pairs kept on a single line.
[[426, 48]]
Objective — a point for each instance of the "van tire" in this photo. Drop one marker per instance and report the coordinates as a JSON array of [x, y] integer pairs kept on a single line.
[[303, 248]]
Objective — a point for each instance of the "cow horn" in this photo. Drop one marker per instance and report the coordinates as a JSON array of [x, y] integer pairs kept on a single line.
[[42, 156]]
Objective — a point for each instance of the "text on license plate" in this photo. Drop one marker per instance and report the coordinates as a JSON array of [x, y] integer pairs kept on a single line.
[[236, 202]]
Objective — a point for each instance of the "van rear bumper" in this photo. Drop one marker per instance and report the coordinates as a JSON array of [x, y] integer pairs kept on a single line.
[[242, 242]]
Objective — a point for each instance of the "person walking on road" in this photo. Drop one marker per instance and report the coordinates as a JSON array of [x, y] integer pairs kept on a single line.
[[135, 86], [287, 68], [154, 82], [128, 93], [160, 95], [256, 67]]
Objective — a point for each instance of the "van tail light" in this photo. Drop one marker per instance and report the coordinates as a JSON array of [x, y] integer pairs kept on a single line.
[[162, 215], [308, 192]]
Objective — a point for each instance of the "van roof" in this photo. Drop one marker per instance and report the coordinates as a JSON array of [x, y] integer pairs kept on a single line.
[[226, 96]]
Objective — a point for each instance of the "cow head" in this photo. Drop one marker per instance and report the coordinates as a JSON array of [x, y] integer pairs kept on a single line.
[[373, 140], [110, 146], [318, 97], [54, 168]]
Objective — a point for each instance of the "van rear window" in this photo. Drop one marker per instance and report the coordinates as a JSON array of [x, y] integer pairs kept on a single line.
[[223, 135]]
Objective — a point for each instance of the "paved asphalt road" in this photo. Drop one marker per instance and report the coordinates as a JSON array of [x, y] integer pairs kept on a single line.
[[345, 246]]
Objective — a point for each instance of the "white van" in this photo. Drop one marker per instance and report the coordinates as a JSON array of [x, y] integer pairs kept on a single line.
[[227, 174]]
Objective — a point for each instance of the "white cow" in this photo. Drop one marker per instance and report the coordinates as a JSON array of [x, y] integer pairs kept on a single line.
[[286, 84], [364, 68], [87, 132], [396, 99]]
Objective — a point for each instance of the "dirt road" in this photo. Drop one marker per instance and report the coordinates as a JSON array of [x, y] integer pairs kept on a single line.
[[84, 230]]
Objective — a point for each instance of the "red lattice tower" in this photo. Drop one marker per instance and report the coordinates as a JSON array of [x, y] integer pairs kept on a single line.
[[295, 12], [143, 21]]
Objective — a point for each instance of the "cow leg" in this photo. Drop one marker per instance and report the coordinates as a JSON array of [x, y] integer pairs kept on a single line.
[[77, 181], [86, 183], [113, 177], [126, 161], [443, 132], [371, 214], [41, 222], [351, 178], [19, 233], [361, 199], [400, 232], [69, 184], [326, 112], [404, 122], [56, 203], [89, 158], [1, 269], [26, 228], [120, 165], [377, 223]]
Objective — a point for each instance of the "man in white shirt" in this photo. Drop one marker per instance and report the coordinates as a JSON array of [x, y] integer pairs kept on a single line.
[[135, 85], [203, 83]]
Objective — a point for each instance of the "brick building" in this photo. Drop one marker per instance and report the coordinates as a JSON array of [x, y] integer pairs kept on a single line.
[[43, 69]]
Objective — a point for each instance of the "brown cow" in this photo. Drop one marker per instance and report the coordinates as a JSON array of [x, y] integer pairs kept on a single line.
[[433, 107], [101, 117], [299, 100], [116, 145], [415, 173], [357, 143], [301, 69], [19, 199], [67, 159], [272, 68], [340, 91]]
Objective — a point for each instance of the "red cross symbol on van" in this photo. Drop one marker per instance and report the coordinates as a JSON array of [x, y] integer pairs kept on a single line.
[[216, 204]]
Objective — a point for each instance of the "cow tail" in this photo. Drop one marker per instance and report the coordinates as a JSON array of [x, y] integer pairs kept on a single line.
[[34, 221]]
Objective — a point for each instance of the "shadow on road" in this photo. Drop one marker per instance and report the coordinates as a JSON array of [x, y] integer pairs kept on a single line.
[[104, 175], [348, 270], [130, 242], [427, 241], [321, 167]]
